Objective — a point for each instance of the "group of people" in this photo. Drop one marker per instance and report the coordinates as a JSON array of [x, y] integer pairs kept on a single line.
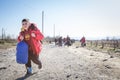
[[68, 42], [63, 41]]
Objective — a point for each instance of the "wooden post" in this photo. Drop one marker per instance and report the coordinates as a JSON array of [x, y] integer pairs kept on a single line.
[[54, 31], [43, 22], [2, 33], [102, 45]]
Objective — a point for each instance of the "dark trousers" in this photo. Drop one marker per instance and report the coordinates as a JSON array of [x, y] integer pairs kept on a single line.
[[34, 58]]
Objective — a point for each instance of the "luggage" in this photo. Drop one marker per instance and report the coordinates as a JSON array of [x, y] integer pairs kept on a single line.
[[22, 53]]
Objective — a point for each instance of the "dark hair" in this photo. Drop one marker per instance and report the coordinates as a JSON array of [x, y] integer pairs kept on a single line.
[[25, 20], [32, 26]]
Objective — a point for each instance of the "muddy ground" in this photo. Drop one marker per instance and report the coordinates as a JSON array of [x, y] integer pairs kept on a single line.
[[62, 63]]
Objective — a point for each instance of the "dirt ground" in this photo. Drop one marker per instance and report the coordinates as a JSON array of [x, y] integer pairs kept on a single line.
[[62, 63]]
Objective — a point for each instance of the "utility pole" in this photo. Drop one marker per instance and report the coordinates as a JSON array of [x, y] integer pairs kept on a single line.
[[43, 22], [54, 30], [2, 33]]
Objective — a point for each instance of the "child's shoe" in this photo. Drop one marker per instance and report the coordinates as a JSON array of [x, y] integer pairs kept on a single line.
[[29, 70]]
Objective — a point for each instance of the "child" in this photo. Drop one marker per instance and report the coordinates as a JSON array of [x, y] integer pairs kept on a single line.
[[32, 36]]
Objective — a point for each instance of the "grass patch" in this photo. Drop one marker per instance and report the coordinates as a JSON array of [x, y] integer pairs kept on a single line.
[[5, 44]]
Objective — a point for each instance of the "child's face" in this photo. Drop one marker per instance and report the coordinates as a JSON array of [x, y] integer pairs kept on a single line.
[[25, 25]]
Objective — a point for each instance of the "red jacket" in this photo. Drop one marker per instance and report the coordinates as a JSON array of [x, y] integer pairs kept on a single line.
[[33, 42], [82, 40]]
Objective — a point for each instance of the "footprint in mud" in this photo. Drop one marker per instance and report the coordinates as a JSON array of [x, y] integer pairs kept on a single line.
[[91, 55], [105, 60], [108, 67], [111, 57], [71, 75], [68, 75], [3, 68], [76, 77], [9, 65]]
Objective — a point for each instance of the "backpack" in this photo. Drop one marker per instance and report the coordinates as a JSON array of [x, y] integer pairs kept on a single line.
[[22, 53]]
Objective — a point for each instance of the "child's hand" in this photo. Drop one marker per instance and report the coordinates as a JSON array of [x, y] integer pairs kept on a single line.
[[33, 35], [21, 38]]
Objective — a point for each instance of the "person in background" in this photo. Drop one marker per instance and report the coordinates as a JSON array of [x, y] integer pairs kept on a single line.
[[68, 41], [83, 41], [60, 41], [55, 41]]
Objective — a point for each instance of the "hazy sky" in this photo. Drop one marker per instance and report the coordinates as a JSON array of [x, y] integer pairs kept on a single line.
[[76, 18]]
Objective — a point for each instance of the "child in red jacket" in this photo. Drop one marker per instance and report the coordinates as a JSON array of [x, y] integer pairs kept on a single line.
[[32, 36]]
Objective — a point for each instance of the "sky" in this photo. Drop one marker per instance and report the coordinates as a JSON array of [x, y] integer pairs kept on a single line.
[[93, 19]]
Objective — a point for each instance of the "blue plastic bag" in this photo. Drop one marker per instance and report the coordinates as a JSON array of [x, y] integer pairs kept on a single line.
[[22, 53]]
